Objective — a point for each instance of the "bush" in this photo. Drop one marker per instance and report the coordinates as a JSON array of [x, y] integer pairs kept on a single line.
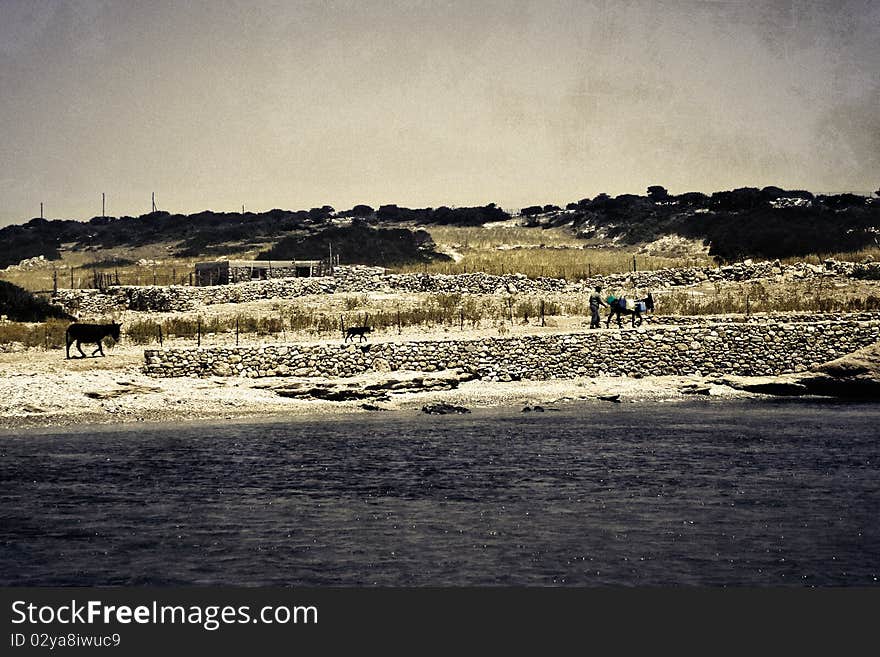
[[19, 305]]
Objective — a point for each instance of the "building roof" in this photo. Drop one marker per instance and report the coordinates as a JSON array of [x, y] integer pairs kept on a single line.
[[260, 263]]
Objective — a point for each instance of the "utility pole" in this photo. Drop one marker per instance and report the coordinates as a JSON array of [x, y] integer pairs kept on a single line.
[[103, 205], [41, 209], [153, 197]]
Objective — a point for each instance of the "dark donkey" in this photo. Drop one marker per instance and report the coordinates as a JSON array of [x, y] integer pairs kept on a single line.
[[632, 308], [91, 333]]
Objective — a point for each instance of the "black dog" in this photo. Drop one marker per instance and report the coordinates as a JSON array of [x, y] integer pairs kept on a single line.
[[357, 330]]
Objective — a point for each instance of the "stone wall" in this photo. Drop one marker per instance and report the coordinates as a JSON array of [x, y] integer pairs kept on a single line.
[[357, 279], [728, 348], [678, 320]]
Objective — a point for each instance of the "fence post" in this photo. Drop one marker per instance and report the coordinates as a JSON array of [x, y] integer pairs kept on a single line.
[[634, 263], [236, 330], [160, 335], [54, 280]]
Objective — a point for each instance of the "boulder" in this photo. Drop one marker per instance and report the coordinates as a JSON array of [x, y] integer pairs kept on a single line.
[[854, 375], [444, 409]]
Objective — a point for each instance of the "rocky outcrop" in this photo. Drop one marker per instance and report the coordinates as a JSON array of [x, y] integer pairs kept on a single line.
[[444, 409], [855, 376], [380, 390], [786, 385]]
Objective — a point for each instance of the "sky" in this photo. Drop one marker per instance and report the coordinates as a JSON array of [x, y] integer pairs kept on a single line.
[[284, 104]]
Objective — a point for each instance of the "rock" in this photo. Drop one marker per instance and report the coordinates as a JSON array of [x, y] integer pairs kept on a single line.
[[854, 375], [786, 386], [444, 409], [372, 407], [536, 409], [695, 389], [123, 389], [610, 398]]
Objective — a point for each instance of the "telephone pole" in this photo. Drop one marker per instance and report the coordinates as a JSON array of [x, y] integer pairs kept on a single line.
[[103, 205], [41, 209], [153, 197]]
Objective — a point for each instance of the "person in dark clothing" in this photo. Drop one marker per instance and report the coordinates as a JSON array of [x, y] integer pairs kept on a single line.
[[596, 300]]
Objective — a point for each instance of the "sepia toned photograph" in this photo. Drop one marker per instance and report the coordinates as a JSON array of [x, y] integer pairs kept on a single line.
[[409, 294]]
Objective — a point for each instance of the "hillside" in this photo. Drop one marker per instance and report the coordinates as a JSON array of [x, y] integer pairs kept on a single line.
[[19, 305], [747, 222]]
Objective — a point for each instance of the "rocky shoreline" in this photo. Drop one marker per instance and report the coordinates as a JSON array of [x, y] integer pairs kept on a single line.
[[114, 390], [39, 389]]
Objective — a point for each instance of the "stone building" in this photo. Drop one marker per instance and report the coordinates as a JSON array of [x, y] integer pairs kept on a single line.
[[223, 272]]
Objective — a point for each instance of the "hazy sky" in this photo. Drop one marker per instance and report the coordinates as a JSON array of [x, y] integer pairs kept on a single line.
[[290, 104]]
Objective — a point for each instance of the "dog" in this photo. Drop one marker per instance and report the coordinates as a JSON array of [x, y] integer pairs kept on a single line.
[[360, 331]]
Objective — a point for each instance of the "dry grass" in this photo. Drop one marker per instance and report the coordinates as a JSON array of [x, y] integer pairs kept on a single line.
[[571, 264], [872, 253], [493, 236], [758, 297], [48, 335], [78, 269], [535, 252]]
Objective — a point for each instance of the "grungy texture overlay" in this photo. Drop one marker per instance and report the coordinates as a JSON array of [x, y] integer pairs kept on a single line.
[[277, 104]]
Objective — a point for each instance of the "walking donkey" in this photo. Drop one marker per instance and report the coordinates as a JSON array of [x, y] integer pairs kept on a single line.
[[625, 307], [92, 334]]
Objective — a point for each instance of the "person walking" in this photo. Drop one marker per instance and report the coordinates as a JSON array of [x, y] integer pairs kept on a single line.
[[596, 300]]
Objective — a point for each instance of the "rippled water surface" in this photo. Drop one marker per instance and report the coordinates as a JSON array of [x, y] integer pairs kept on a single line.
[[724, 493]]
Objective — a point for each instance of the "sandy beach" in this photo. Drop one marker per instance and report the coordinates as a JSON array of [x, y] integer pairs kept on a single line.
[[42, 389]]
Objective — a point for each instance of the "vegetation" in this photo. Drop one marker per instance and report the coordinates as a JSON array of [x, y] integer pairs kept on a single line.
[[209, 233], [746, 222], [571, 264], [46, 335], [359, 243], [19, 305], [756, 297]]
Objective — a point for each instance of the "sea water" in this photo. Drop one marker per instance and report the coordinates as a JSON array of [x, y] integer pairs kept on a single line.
[[710, 493]]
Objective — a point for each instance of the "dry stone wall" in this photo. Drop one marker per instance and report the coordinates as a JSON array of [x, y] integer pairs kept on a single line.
[[759, 318], [357, 279], [728, 348]]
